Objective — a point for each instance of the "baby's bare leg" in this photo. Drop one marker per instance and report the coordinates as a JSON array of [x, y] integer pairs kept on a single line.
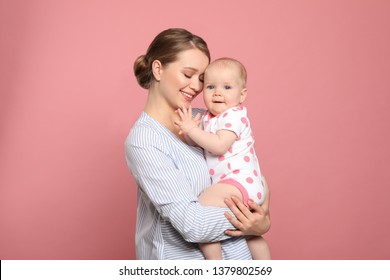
[[215, 196], [258, 248], [211, 251]]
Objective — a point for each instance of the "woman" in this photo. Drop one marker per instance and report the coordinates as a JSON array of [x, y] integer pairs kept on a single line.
[[170, 174]]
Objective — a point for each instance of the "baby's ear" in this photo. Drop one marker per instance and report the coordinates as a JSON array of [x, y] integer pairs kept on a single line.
[[156, 69], [243, 95]]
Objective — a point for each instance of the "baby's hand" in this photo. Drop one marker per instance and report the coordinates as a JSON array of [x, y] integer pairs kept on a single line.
[[186, 122]]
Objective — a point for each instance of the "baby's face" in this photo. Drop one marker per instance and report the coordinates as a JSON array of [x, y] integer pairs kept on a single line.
[[223, 88]]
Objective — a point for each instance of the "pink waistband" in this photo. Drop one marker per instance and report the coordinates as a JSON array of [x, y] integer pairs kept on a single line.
[[241, 188]]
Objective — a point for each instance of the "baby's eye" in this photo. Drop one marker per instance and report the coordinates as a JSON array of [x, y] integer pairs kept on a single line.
[[210, 87], [188, 76], [227, 87]]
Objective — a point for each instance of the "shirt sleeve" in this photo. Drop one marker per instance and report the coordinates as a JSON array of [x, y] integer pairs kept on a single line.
[[234, 120], [168, 189]]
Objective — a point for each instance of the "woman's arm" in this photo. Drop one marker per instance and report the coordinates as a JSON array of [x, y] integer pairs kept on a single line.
[[168, 190], [246, 222]]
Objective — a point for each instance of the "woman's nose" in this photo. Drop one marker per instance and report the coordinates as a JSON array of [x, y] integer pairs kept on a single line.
[[196, 86]]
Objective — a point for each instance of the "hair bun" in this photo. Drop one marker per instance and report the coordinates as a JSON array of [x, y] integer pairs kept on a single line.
[[141, 71]]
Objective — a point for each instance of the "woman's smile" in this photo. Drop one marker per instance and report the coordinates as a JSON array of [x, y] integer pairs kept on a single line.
[[187, 96]]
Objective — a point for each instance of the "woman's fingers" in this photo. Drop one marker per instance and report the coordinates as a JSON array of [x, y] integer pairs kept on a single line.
[[243, 209], [234, 232], [246, 222], [243, 220], [249, 221], [256, 207], [232, 204], [236, 223]]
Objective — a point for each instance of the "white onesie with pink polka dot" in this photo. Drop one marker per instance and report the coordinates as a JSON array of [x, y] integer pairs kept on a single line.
[[239, 165]]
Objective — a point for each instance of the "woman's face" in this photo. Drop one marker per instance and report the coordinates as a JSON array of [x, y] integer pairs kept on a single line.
[[181, 81]]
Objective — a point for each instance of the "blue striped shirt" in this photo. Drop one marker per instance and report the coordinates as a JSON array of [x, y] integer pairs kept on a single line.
[[170, 175]]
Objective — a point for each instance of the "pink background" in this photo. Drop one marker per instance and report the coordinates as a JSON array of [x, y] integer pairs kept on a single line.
[[319, 100]]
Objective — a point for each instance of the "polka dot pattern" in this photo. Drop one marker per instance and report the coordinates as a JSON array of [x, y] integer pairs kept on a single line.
[[239, 163]]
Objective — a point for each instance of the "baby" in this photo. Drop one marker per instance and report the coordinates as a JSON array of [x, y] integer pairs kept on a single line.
[[227, 140]]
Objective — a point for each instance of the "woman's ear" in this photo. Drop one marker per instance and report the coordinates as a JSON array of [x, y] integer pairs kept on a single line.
[[157, 69], [243, 95]]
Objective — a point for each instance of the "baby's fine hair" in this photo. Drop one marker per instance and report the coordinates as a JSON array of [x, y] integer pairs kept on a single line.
[[228, 61]]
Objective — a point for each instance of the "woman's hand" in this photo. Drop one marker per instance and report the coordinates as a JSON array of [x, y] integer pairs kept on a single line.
[[255, 222]]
